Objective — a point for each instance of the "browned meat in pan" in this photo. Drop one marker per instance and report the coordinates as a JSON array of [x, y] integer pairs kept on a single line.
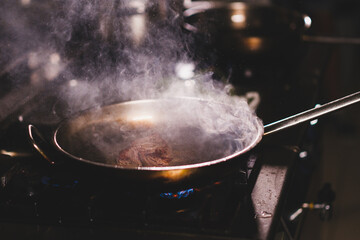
[[149, 151]]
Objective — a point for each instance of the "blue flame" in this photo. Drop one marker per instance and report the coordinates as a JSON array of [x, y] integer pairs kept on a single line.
[[49, 182], [177, 195]]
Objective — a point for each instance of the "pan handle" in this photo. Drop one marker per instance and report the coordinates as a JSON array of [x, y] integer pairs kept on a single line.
[[312, 113], [39, 143], [331, 40]]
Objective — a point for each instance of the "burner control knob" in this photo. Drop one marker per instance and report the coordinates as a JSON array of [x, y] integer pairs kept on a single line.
[[325, 197], [326, 212]]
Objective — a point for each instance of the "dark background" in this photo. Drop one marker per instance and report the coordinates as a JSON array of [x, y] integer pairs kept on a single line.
[[340, 139], [340, 143]]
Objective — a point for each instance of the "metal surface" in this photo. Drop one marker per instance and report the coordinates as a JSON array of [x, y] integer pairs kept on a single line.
[[270, 188], [160, 113], [185, 173], [182, 174], [246, 28], [312, 113], [36, 139], [252, 29]]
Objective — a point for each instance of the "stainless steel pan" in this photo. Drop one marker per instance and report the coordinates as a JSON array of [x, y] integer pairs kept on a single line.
[[75, 139]]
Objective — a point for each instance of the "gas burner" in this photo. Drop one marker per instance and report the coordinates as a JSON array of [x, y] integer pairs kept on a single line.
[[40, 193], [178, 195]]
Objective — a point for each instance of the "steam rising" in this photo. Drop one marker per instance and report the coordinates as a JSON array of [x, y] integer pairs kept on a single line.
[[101, 52]]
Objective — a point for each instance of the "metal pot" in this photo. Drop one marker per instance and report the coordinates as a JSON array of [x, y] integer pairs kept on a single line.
[[246, 29], [239, 28]]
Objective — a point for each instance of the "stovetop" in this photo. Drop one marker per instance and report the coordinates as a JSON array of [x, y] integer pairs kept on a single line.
[[38, 200], [46, 199], [41, 194]]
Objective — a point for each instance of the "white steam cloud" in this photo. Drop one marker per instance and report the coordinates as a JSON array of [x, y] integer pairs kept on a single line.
[[100, 52]]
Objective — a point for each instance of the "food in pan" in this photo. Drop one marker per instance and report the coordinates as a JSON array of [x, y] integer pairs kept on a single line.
[[148, 151]]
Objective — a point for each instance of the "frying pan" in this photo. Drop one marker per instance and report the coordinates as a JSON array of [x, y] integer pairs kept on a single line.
[[75, 139]]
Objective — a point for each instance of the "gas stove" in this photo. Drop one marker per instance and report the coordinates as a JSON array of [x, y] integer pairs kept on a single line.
[[38, 200], [47, 200], [256, 202], [45, 195]]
